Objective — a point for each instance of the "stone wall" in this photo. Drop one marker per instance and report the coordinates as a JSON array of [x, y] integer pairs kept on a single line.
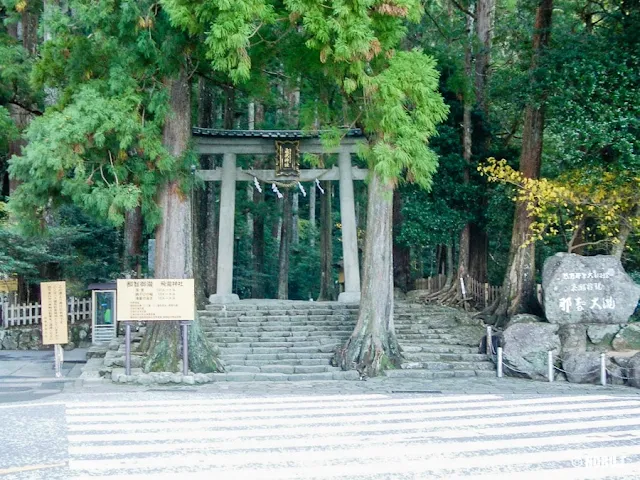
[[30, 337]]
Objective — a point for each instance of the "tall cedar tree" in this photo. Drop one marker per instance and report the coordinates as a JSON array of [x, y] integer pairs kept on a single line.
[[116, 140], [518, 289], [391, 94]]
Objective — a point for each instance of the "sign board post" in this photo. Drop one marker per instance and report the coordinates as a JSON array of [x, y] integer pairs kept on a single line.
[[54, 319], [185, 347], [127, 348], [156, 300]]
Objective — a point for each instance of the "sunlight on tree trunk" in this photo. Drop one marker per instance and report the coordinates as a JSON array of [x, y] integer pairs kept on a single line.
[[373, 345], [174, 248]]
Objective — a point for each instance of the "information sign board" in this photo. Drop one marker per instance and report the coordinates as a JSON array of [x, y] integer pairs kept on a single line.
[[54, 313], [8, 285], [152, 300]]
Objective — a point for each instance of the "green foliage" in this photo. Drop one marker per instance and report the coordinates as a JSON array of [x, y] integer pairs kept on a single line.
[[427, 221], [77, 249], [15, 69], [596, 100], [403, 109], [8, 130], [100, 146], [228, 27], [96, 153]]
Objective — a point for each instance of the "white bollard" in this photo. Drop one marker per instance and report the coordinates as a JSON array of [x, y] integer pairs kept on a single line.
[[603, 369], [489, 341], [499, 362], [550, 365]]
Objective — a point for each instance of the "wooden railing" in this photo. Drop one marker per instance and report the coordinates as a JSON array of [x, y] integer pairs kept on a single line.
[[482, 294], [78, 309], [431, 284]]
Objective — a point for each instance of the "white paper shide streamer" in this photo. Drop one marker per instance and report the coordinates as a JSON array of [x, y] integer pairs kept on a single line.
[[304, 192], [257, 184], [275, 190], [319, 187]]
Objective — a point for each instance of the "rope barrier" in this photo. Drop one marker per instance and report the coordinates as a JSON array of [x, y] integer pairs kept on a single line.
[[581, 373], [515, 369], [609, 372], [552, 368]]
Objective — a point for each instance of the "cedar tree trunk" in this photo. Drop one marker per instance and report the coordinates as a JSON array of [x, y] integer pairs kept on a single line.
[[373, 345], [625, 231], [174, 247], [327, 288], [205, 215], [133, 241], [401, 253]]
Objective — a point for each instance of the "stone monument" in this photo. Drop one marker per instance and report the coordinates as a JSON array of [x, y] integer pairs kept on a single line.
[[587, 290]]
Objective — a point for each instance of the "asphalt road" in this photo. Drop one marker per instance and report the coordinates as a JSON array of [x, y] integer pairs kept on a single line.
[[176, 433]]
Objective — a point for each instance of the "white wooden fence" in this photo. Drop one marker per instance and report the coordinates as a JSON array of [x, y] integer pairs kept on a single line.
[[78, 309]]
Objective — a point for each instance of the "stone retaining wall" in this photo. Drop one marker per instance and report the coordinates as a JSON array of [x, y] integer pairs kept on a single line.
[[30, 337]]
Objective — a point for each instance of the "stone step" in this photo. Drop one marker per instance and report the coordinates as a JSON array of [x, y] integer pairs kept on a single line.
[[283, 369], [432, 374], [228, 341], [307, 362], [229, 309], [445, 357], [427, 341], [281, 333], [438, 348], [286, 328], [273, 357], [284, 318], [281, 324], [280, 377], [256, 331], [274, 315], [448, 366], [245, 350], [419, 328], [418, 335], [261, 332], [323, 345], [275, 312]]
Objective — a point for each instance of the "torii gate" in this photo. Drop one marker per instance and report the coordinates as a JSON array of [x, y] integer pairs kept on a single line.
[[231, 143]]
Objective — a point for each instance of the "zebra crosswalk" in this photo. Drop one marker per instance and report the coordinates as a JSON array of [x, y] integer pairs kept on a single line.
[[357, 436]]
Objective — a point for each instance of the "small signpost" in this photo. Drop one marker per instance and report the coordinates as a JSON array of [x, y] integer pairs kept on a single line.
[[156, 300], [54, 319], [8, 285]]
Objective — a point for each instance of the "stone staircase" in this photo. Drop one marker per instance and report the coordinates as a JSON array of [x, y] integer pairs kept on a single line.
[[439, 342], [295, 340], [280, 340]]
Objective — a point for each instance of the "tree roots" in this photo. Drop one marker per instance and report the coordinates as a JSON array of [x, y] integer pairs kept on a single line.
[[367, 355], [450, 295]]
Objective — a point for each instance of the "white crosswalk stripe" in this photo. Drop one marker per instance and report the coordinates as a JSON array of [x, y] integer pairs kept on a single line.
[[358, 436]]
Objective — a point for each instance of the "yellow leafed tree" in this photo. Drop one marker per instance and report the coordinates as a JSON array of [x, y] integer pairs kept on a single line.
[[594, 207]]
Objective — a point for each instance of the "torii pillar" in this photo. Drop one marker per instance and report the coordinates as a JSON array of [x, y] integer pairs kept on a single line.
[[351, 292], [224, 286]]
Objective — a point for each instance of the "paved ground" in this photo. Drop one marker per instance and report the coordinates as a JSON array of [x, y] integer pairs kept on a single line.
[[29, 375], [184, 434], [383, 428]]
